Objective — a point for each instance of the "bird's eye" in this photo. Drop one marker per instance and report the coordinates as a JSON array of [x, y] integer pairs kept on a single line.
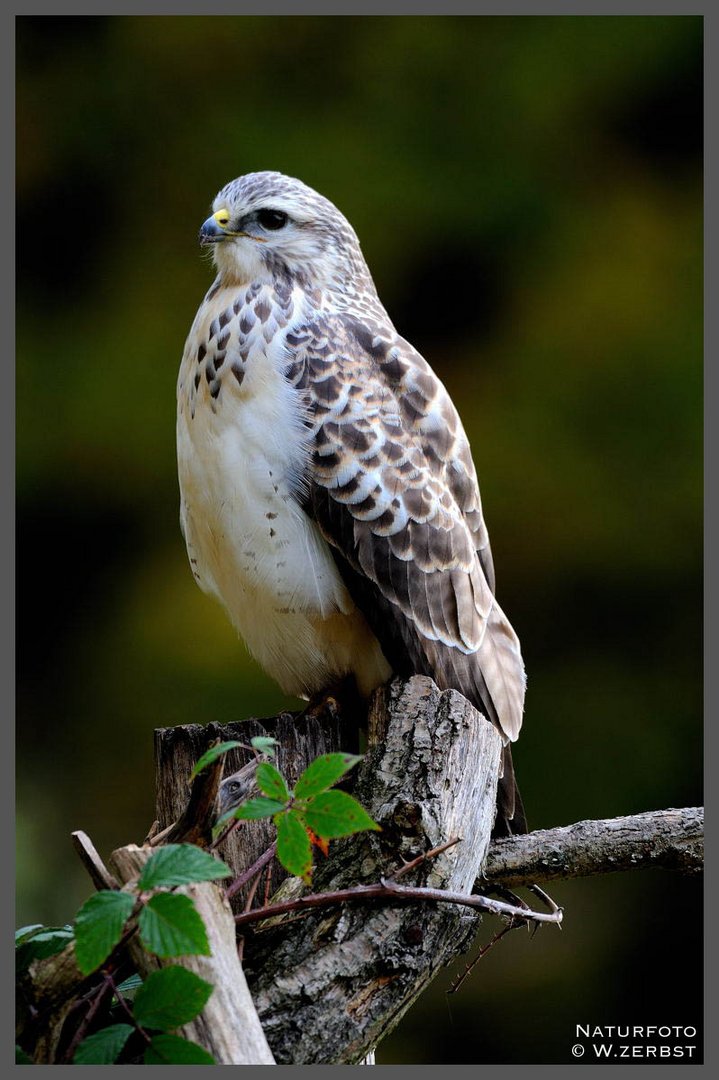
[[233, 787], [272, 219]]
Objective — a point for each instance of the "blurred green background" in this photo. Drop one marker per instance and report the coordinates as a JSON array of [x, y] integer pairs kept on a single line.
[[544, 175]]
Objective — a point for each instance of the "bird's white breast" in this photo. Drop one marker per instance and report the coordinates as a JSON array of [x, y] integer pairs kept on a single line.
[[242, 455]]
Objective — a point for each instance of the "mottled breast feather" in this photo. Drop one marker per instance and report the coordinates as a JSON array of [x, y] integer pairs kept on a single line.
[[394, 491]]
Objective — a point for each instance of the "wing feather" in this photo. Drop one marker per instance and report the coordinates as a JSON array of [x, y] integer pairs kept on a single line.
[[394, 491]]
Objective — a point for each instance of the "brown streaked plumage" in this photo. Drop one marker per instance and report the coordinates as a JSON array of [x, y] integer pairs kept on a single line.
[[329, 497]]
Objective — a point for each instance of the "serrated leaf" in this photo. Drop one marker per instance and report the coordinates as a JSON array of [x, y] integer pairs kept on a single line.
[[37, 943], [98, 927], [174, 1050], [264, 744], [170, 925], [260, 807], [104, 1047], [272, 783], [323, 772], [181, 864], [335, 813], [212, 755], [293, 846], [170, 997]]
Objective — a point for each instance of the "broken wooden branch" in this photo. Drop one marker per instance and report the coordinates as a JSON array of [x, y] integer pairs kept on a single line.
[[228, 1027], [667, 839], [99, 874]]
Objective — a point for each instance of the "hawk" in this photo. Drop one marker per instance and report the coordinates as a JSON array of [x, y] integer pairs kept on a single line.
[[328, 495]]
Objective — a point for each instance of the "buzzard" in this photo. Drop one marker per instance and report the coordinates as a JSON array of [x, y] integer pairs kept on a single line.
[[328, 495]]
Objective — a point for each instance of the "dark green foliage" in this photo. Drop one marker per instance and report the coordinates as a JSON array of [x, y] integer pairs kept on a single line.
[[98, 927], [271, 782], [308, 814], [181, 864], [104, 1047], [323, 772], [174, 1050], [170, 997], [293, 845], [333, 814], [254, 809], [212, 755], [171, 926], [37, 942]]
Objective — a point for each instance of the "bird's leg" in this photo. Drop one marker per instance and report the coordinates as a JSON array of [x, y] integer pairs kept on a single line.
[[336, 698], [342, 700]]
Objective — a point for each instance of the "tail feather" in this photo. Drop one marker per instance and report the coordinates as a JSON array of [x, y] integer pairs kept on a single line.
[[499, 663], [510, 818]]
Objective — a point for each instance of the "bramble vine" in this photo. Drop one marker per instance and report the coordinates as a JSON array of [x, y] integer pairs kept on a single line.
[[135, 1020]]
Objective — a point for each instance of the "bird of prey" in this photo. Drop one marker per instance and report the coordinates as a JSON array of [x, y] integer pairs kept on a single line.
[[328, 495]]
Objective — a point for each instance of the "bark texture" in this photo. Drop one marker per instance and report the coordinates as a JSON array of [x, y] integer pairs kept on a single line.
[[301, 738], [45, 999], [329, 986], [228, 1027], [667, 839]]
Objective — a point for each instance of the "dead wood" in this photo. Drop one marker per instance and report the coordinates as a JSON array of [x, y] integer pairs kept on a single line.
[[665, 839]]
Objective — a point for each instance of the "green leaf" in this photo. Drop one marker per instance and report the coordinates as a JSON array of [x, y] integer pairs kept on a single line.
[[170, 925], [98, 927], [323, 773], [130, 985], [264, 744], [293, 846], [170, 997], [104, 1047], [272, 783], [212, 755], [180, 864], [39, 942], [258, 808], [335, 813], [174, 1050], [28, 931], [21, 1058]]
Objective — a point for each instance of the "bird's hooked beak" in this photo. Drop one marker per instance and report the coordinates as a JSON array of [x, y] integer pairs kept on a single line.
[[215, 229]]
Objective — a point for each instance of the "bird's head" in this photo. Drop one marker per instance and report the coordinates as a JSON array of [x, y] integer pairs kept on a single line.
[[237, 787], [265, 225]]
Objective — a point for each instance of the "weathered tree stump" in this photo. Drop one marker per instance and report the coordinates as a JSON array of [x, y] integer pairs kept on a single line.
[[330, 985], [328, 982], [301, 738]]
